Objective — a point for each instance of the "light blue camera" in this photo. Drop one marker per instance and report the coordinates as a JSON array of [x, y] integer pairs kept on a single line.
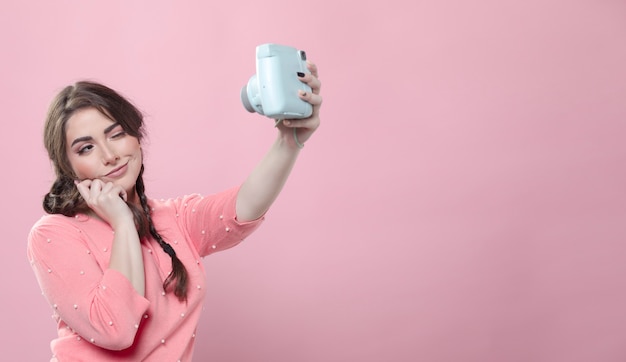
[[273, 90]]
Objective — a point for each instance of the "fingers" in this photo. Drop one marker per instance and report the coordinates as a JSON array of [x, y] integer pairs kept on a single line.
[[312, 81], [95, 191], [312, 68], [313, 98], [311, 123], [304, 128], [83, 187], [112, 190]]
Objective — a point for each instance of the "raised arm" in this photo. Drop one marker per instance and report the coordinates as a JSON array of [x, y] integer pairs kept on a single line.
[[264, 184]]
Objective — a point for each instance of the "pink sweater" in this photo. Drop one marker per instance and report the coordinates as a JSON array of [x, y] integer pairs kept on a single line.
[[100, 317]]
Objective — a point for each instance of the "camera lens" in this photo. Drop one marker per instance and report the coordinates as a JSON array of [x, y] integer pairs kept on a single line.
[[245, 100], [302, 55]]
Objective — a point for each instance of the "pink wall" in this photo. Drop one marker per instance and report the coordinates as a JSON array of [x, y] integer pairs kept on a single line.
[[464, 199]]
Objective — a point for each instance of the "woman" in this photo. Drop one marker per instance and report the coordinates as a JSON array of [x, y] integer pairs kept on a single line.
[[122, 272]]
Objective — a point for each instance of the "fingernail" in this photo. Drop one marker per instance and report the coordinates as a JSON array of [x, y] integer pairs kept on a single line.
[[76, 182], [303, 93], [300, 74], [285, 122]]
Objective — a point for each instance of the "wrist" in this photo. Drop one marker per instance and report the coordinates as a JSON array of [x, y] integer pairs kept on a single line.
[[124, 223], [296, 140], [289, 137]]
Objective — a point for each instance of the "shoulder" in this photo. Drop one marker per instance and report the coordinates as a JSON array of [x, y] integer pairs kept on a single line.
[[173, 204], [195, 202], [54, 221], [60, 227], [54, 227]]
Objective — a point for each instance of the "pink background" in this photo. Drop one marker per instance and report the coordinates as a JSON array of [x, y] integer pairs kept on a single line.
[[464, 199]]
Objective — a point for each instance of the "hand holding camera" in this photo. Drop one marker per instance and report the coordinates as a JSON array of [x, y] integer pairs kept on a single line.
[[285, 88]]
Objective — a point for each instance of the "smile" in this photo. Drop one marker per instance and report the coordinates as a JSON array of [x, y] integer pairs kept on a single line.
[[118, 172]]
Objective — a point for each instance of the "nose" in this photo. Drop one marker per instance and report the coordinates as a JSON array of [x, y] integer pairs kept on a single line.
[[109, 156]]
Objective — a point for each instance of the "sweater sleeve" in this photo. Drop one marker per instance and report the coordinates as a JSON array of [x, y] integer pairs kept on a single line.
[[211, 221], [97, 303]]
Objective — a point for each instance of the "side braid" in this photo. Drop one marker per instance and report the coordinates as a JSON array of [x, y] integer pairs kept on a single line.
[[179, 272], [64, 198]]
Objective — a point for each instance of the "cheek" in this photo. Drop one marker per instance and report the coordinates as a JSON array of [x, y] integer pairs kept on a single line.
[[134, 143], [134, 148], [82, 168]]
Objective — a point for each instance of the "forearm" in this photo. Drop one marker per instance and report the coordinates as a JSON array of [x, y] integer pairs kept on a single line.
[[266, 181], [126, 256]]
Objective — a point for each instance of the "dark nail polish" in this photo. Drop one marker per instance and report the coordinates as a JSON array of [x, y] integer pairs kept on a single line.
[[300, 74]]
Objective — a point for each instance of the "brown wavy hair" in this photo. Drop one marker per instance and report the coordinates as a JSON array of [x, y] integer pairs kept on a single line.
[[64, 197]]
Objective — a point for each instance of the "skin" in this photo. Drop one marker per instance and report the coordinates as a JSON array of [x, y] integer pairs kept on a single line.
[[266, 181], [107, 162]]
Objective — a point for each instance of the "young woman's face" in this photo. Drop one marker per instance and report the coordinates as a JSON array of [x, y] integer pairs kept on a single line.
[[99, 148]]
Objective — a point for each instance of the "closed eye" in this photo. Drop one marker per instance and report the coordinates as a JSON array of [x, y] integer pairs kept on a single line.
[[115, 131], [119, 134]]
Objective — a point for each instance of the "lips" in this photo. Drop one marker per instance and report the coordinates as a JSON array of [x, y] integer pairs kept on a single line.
[[118, 172]]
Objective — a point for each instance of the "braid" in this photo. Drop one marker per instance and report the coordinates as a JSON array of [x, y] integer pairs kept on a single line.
[[178, 273], [64, 198]]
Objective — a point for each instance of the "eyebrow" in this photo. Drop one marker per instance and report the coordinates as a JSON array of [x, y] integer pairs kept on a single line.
[[89, 138]]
